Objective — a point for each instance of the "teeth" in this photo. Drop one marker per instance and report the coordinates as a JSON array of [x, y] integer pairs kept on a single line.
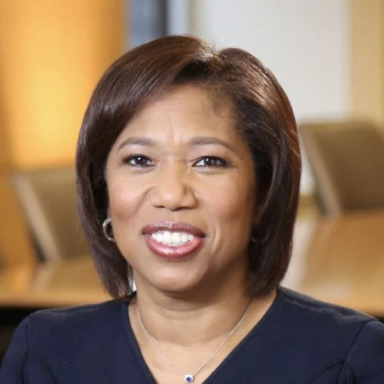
[[172, 239], [159, 237], [167, 237], [176, 237]]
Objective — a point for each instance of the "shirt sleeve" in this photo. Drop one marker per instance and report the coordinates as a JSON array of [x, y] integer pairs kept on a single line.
[[366, 357], [12, 368]]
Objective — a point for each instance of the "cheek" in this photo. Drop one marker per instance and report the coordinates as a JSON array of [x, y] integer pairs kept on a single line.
[[233, 203], [123, 200], [124, 206]]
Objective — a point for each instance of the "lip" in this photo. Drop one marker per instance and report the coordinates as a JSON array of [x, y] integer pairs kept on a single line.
[[172, 227], [173, 253]]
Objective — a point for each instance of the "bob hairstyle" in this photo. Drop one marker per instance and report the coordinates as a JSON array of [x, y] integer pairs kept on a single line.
[[264, 118]]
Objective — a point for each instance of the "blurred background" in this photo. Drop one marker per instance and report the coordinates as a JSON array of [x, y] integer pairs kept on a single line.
[[329, 57]]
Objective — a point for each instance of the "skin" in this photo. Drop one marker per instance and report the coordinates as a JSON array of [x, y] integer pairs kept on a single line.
[[178, 178]]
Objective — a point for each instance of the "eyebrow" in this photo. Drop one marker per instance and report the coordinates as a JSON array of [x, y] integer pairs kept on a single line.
[[195, 142], [205, 140], [143, 141]]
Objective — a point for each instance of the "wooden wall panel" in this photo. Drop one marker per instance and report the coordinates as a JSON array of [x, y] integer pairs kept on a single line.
[[52, 54]]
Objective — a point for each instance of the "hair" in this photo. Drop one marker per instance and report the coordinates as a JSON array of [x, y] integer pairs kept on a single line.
[[264, 118]]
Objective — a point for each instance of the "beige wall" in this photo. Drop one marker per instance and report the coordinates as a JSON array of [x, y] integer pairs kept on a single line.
[[367, 38]]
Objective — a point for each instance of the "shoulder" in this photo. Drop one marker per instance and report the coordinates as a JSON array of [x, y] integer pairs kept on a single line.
[[70, 330], [331, 321], [90, 318], [332, 316], [48, 342], [69, 315], [333, 334]]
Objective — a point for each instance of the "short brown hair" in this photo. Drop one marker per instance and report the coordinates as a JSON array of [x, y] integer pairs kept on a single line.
[[264, 118]]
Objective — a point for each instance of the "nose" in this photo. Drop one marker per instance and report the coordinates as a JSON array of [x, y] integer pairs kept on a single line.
[[173, 190]]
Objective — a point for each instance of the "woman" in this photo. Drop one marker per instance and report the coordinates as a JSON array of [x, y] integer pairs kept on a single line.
[[188, 170]]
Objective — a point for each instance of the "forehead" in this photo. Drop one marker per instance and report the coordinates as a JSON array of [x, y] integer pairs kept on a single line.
[[185, 110]]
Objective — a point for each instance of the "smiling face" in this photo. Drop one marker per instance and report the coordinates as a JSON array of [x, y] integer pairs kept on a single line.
[[181, 191]]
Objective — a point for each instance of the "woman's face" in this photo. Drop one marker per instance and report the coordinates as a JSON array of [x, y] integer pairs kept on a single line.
[[182, 193]]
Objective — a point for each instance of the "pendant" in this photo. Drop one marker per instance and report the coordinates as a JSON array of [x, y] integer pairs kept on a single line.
[[189, 378]]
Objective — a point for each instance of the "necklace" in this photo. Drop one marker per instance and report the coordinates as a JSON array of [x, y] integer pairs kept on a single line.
[[189, 378]]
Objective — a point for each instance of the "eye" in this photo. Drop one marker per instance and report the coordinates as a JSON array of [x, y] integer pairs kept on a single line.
[[211, 162], [138, 161]]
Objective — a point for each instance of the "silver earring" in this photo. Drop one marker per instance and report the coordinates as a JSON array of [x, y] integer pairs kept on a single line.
[[109, 237]]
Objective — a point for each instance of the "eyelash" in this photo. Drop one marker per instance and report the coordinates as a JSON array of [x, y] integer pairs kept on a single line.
[[224, 163], [136, 157]]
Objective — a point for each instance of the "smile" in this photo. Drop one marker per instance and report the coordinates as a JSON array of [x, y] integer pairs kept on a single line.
[[173, 241]]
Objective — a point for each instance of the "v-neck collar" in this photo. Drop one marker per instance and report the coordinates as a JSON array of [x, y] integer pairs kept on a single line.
[[217, 372]]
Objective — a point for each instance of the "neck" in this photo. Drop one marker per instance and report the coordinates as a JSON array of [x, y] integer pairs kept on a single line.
[[191, 318]]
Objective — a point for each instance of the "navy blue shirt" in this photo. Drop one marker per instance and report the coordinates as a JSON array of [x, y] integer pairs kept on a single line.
[[298, 341]]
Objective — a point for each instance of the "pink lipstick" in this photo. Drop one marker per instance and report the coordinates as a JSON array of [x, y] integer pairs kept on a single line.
[[173, 241]]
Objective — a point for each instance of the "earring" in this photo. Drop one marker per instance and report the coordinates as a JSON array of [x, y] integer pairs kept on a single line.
[[109, 237]]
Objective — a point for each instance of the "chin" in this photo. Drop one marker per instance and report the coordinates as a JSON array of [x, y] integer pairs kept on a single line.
[[175, 283]]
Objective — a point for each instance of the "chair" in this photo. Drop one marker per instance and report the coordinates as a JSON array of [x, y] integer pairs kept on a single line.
[[48, 200], [16, 247], [347, 161]]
